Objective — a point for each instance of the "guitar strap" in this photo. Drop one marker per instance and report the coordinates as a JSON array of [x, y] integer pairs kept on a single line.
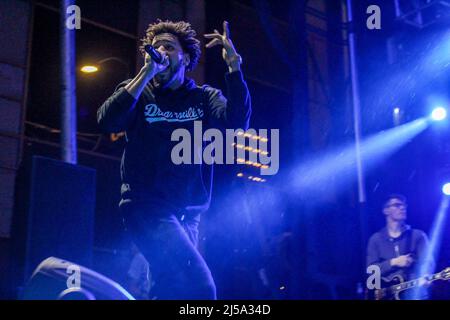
[[409, 241]]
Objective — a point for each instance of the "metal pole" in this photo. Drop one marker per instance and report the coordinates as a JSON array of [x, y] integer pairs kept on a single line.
[[362, 212], [68, 89], [356, 104]]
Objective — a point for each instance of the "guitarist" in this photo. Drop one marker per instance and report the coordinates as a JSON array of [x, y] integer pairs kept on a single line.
[[397, 249]]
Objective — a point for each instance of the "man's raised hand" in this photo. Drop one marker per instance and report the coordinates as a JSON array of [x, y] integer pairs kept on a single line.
[[229, 54]]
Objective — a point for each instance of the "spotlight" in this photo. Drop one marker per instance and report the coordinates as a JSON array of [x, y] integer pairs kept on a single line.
[[446, 189], [396, 116], [439, 114]]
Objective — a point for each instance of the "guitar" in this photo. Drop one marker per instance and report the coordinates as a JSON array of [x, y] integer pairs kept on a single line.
[[393, 291]]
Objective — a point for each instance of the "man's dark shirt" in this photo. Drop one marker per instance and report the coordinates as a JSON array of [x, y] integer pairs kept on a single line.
[[382, 248]]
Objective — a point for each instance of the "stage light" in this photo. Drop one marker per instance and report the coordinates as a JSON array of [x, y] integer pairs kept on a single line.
[[439, 114], [240, 174], [396, 114], [446, 189], [89, 69]]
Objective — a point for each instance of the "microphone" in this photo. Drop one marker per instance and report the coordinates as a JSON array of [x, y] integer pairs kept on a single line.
[[156, 56]]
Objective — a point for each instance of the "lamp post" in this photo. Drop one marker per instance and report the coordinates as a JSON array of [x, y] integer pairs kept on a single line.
[[68, 89]]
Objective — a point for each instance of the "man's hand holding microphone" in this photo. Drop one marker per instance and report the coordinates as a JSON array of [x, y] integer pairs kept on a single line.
[[155, 62]]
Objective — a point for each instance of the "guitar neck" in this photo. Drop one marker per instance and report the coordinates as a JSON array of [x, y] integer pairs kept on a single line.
[[394, 290], [416, 282]]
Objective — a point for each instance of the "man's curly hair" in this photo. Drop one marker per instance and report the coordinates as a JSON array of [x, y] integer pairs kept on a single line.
[[182, 30]]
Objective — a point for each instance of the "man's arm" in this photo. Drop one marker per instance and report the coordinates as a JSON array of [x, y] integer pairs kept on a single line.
[[117, 111], [388, 265], [235, 111], [373, 257], [147, 72]]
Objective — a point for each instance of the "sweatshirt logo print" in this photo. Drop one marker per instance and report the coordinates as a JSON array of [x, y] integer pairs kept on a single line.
[[154, 114]]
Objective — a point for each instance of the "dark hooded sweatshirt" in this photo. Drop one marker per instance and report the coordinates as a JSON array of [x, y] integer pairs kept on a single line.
[[149, 177]]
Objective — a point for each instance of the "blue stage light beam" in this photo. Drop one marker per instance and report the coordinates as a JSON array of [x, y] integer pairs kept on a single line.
[[338, 168], [427, 265]]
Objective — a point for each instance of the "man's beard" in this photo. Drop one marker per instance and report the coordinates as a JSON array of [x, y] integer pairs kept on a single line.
[[165, 77]]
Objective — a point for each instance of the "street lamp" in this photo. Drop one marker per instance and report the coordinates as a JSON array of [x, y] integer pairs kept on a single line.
[[93, 68], [89, 69]]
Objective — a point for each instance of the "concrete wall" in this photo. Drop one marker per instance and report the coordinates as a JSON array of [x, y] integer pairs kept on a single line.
[[15, 24]]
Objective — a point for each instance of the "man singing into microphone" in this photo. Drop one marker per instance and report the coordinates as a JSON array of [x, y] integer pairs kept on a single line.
[[162, 202]]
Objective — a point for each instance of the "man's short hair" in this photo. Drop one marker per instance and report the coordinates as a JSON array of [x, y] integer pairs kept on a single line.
[[184, 33], [391, 196]]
